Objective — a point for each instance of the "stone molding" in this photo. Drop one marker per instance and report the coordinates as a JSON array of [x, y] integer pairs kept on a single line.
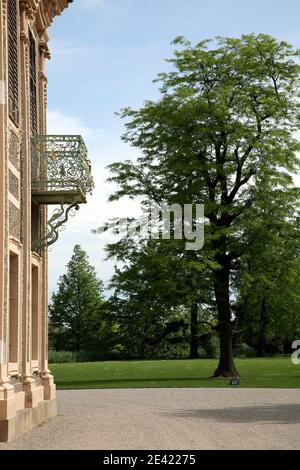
[[42, 12]]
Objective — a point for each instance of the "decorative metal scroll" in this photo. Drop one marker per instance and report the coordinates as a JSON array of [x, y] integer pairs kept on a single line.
[[60, 163], [61, 170], [55, 225]]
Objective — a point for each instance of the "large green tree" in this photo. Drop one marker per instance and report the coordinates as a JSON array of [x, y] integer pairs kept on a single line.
[[225, 122], [78, 309]]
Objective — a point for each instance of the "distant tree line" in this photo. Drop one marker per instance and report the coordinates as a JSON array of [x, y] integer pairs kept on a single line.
[[151, 314]]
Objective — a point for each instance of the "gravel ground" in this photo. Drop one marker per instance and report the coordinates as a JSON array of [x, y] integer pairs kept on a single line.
[[170, 419]]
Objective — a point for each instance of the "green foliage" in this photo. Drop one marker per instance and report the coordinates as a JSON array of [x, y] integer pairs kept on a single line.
[[65, 357], [268, 275], [222, 133], [154, 293], [244, 350], [61, 357], [78, 311]]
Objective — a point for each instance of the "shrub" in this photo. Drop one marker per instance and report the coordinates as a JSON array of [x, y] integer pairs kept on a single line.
[[244, 350], [60, 357]]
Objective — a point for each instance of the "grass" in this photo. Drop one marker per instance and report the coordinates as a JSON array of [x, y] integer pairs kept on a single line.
[[255, 373]]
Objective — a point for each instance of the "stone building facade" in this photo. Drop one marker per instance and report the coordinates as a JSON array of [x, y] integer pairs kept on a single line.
[[34, 172]]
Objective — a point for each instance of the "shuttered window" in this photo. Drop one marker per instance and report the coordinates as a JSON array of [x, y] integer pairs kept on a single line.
[[13, 81], [33, 85]]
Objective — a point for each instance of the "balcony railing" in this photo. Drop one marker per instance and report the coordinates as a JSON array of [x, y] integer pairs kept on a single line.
[[61, 171], [60, 175]]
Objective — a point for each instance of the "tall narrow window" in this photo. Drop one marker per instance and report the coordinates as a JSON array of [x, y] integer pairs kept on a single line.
[[13, 307], [33, 85], [13, 82], [35, 314]]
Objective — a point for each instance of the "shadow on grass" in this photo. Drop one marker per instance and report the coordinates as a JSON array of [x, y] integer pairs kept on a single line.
[[180, 382], [286, 413], [60, 383]]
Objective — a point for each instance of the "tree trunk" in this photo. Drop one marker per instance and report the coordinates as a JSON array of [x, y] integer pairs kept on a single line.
[[262, 340], [226, 367], [194, 331]]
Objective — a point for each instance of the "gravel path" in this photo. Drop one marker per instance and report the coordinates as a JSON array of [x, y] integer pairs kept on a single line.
[[170, 419]]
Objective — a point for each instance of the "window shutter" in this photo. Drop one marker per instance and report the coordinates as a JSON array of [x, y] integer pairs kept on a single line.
[[13, 78], [33, 85]]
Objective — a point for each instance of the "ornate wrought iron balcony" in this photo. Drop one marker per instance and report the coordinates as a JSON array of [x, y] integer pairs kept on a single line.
[[61, 171], [61, 175]]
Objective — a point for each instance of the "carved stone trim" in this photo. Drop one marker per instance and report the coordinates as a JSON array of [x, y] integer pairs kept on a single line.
[[14, 185], [37, 376], [42, 12], [14, 221], [17, 384], [14, 150]]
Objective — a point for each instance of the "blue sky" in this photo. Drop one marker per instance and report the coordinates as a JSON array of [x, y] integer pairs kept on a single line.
[[105, 54]]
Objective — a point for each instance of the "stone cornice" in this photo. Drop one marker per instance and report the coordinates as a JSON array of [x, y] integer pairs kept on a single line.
[[42, 12]]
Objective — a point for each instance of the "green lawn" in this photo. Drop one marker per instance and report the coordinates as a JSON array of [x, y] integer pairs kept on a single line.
[[184, 373]]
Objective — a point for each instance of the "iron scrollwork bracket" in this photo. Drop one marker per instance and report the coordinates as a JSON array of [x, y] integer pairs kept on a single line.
[[55, 225]]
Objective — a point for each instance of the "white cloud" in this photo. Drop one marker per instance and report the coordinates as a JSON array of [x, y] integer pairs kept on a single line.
[[59, 123], [103, 148]]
